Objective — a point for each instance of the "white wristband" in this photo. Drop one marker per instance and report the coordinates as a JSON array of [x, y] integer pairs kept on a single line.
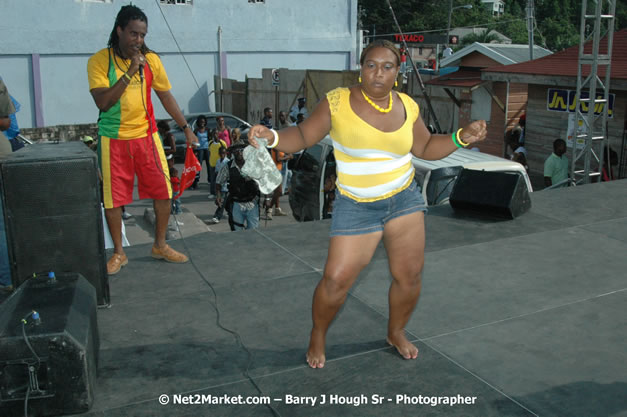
[[276, 139]]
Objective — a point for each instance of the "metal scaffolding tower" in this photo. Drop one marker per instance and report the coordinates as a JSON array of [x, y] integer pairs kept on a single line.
[[592, 97]]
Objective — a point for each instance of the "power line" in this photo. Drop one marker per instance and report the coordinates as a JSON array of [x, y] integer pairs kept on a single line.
[[177, 44], [444, 30]]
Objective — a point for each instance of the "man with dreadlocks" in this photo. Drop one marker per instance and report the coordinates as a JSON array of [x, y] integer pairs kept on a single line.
[[121, 78]]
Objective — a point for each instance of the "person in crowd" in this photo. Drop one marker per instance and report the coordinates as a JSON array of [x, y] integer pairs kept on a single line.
[[202, 150], [243, 192], [121, 80], [280, 159], [214, 155], [90, 143], [176, 191], [519, 152], [610, 160], [403, 60], [284, 120], [286, 173], [375, 132], [223, 188], [267, 118], [556, 169], [299, 108], [168, 141], [6, 110], [518, 132], [223, 131], [14, 129], [236, 137]]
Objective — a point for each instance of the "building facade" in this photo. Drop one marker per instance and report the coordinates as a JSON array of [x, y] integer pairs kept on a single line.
[[552, 83], [499, 103], [497, 7], [46, 45]]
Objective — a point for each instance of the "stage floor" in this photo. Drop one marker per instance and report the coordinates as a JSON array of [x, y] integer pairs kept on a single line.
[[516, 318]]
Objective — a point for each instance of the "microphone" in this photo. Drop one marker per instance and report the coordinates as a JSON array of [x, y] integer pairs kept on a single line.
[[141, 71]]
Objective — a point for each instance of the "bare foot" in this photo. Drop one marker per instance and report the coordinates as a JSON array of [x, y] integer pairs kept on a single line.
[[404, 347], [315, 353]]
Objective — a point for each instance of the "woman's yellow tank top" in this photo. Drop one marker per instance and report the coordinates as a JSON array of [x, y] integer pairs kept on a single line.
[[371, 165]]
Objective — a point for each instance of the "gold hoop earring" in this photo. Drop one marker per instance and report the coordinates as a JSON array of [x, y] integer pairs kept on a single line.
[[359, 79], [396, 83]]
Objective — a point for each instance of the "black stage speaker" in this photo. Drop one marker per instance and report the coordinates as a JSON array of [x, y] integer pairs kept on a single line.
[[52, 211], [499, 194], [51, 359]]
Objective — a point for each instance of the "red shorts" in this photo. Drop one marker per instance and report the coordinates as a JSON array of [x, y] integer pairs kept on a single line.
[[122, 159]]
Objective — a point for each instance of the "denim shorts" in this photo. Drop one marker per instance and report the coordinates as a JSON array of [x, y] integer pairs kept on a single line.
[[351, 217]]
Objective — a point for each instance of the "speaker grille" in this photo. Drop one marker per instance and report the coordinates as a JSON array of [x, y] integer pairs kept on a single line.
[[53, 215], [500, 194]]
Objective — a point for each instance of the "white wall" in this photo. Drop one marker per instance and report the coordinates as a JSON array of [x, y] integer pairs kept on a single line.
[[295, 34]]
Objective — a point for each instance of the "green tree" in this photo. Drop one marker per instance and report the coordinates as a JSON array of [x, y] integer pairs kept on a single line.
[[514, 28], [557, 34], [557, 21], [487, 36]]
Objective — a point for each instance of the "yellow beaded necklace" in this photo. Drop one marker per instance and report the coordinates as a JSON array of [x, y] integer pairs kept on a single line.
[[376, 106]]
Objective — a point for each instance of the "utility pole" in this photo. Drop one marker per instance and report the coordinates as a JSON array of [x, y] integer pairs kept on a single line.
[[448, 27], [530, 26]]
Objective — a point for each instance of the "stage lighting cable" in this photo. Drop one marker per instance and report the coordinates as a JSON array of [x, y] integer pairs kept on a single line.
[[202, 276], [26, 338], [26, 402], [28, 390]]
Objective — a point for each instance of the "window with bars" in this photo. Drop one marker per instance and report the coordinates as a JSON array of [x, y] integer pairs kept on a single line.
[[175, 2]]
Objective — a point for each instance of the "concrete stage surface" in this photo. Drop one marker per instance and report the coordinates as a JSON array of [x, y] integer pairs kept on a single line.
[[522, 317]]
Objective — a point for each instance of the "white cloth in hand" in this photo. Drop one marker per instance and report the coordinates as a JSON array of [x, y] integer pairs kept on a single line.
[[260, 167]]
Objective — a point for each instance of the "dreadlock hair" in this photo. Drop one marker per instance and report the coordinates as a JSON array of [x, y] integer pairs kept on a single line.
[[125, 15], [381, 43]]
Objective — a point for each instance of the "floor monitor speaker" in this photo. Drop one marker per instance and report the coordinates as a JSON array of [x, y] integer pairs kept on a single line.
[[498, 194], [49, 346]]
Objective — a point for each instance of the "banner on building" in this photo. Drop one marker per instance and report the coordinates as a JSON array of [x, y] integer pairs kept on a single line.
[[570, 133], [561, 100]]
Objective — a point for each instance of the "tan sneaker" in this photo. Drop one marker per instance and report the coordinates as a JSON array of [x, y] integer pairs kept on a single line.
[[115, 263], [279, 212], [169, 255]]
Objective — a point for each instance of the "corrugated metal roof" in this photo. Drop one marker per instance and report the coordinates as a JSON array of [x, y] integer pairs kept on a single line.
[[461, 78], [564, 63], [520, 53], [504, 54]]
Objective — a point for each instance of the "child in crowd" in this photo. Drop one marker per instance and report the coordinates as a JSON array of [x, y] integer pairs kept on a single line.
[[223, 191], [236, 136], [176, 190], [215, 143]]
